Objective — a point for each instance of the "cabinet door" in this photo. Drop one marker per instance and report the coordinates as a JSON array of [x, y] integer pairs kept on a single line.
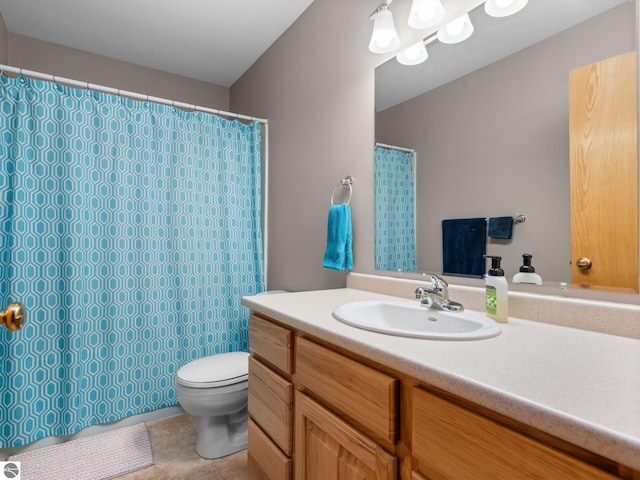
[[328, 448]]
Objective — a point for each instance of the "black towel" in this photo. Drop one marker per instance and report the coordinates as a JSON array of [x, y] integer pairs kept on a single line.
[[500, 227], [464, 244]]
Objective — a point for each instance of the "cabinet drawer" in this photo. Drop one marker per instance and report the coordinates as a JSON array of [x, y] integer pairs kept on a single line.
[[265, 461], [453, 442], [361, 393], [271, 342], [270, 404]]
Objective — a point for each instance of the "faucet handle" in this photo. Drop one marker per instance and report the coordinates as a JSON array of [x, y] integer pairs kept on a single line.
[[440, 285]]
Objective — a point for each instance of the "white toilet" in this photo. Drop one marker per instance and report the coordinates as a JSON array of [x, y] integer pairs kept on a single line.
[[215, 389]]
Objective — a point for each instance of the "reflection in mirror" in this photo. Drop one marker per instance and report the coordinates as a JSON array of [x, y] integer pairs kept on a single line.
[[491, 134]]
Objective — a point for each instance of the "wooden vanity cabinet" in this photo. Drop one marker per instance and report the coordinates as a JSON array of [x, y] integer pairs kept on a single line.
[[318, 413]]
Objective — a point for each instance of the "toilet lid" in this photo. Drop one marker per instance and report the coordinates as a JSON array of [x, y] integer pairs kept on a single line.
[[215, 370]]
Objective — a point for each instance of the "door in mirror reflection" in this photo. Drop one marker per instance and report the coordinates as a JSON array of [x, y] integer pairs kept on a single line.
[[604, 194]]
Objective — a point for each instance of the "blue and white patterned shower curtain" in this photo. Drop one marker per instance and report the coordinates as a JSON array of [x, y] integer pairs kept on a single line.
[[395, 235], [130, 231]]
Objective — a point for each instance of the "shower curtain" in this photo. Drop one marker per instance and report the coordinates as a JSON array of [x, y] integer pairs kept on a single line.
[[130, 231], [395, 235]]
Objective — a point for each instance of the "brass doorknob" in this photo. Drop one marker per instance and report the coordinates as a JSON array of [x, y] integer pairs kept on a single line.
[[13, 316], [584, 263]]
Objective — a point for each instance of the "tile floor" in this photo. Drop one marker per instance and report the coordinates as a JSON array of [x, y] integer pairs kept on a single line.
[[173, 441]]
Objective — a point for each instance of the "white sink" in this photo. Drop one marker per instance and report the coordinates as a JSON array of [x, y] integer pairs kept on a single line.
[[409, 319]]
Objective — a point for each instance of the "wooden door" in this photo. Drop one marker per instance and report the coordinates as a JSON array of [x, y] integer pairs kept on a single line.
[[328, 448], [603, 131]]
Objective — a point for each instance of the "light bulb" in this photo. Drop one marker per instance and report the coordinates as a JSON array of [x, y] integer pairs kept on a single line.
[[503, 8], [456, 31], [455, 28], [425, 13], [384, 37], [413, 55]]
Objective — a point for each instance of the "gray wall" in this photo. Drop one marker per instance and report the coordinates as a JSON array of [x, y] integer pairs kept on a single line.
[[316, 87], [32, 54], [496, 142], [4, 45]]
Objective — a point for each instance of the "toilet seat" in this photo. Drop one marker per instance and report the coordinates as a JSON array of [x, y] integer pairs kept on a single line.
[[215, 371]]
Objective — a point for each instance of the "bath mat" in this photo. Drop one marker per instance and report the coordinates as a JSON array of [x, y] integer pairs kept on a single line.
[[97, 457]]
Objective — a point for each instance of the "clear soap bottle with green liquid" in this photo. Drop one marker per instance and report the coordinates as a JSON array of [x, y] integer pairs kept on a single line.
[[496, 292]]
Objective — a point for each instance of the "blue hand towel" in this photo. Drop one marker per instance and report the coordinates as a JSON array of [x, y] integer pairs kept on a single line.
[[338, 254], [464, 244], [500, 227]]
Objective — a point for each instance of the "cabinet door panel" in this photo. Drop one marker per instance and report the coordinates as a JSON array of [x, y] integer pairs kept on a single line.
[[328, 448], [452, 442]]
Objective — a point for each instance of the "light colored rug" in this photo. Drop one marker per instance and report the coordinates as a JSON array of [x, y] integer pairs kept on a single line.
[[97, 457]]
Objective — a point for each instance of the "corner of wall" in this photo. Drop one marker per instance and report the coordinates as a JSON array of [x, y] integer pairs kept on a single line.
[[4, 43]]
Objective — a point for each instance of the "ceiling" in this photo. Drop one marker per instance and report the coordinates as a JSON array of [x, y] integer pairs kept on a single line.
[[211, 40], [493, 39]]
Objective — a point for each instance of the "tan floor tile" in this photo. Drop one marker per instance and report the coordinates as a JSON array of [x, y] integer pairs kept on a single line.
[[173, 441]]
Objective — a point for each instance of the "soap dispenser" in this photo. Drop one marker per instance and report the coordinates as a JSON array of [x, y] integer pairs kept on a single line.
[[496, 296], [527, 272]]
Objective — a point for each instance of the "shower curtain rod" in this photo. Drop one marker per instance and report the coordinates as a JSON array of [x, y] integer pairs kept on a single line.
[[393, 147], [124, 93]]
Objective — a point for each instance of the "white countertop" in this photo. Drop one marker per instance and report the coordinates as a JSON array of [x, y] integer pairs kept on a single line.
[[581, 386]]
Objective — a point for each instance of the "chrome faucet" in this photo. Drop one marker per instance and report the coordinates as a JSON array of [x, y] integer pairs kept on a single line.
[[437, 297]]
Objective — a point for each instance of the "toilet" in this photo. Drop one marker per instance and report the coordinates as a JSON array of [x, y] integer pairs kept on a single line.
[[215, 388]]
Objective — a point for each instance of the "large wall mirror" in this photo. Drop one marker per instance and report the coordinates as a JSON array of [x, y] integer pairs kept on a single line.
[[488, 122]]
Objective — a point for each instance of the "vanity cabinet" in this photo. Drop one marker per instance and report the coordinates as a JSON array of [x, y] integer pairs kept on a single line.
[[319, 412]]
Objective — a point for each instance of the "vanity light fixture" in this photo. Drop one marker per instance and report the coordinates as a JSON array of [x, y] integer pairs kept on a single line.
[[384, 38], [413, 55], [503, 8], [426, 13], [456, 31]]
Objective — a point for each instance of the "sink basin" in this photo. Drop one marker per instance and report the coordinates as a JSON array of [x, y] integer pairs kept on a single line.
[[409, 319]]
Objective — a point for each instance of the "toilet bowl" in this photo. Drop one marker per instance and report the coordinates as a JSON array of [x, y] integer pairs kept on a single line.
[[215, 388]]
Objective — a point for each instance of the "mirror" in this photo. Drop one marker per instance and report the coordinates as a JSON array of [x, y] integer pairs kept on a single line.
[[489, 122]]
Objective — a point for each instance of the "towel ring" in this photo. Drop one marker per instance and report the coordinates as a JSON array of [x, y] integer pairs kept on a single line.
[[345, 182]]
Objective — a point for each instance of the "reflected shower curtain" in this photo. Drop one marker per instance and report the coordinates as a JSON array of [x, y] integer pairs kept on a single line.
[[130, 231], [395, 236]]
